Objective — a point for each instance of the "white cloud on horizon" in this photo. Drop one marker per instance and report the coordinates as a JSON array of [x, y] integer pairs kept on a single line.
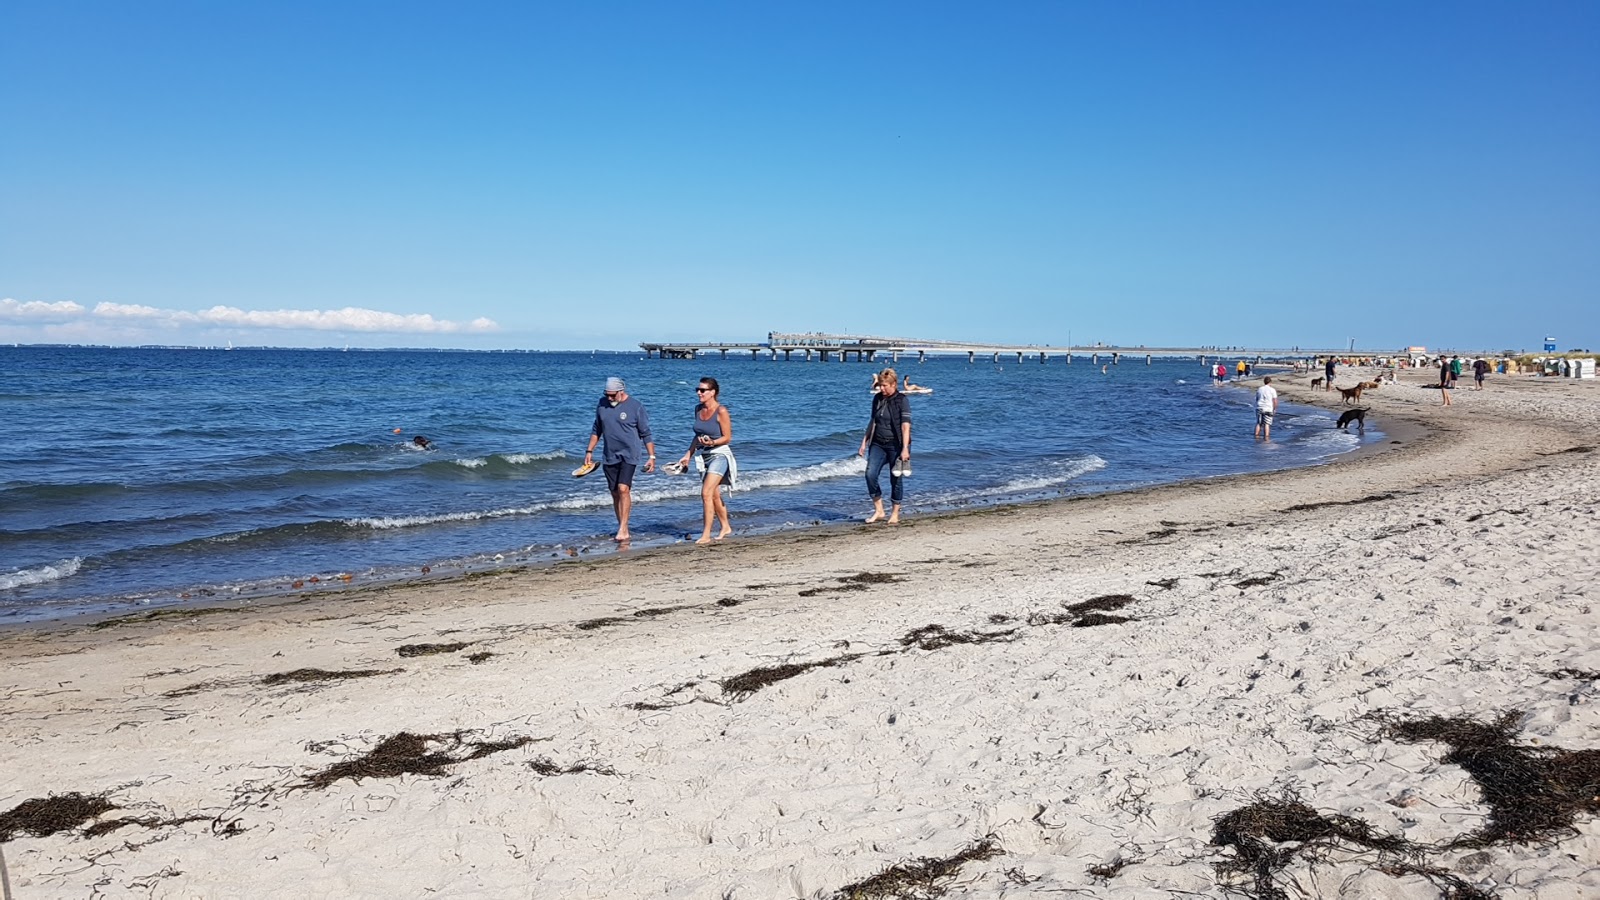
[[39, 310], [349, 319]]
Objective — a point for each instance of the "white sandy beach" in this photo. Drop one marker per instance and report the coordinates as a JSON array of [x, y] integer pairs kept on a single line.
[[1273, 617]]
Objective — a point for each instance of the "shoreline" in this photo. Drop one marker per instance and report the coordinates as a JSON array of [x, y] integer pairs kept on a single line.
[[1267, 618], [585, 552]]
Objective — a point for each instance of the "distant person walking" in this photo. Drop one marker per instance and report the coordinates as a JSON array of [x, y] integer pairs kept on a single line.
[[623, 423], [887, 442], [1444, 380], [1327, 374], [713, 437], [1480, 370], [1266, 407], [1455, 369], [1241, 369]]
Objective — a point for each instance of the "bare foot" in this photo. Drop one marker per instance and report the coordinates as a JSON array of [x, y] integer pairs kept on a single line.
[[894, 519], [724, 533], [622, 536], [704, 539], [875, 517]]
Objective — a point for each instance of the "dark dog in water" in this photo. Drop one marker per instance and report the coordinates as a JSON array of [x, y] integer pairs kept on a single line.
[[1357, 415]]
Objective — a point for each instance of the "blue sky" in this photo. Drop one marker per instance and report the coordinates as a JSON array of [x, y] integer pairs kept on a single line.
[[593, 175]]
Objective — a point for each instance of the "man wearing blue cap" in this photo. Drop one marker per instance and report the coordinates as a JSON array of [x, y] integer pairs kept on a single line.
[[622, 421]]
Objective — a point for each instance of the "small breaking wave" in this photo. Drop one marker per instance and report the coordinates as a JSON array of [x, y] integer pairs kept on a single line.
[[41, 574], [1056, 473]]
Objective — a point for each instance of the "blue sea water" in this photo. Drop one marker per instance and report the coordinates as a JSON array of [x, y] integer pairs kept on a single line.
[[139, 478]]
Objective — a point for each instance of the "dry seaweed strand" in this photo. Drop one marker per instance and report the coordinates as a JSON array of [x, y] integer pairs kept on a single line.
[[110, 825], [407, 753], [44, 816], [409, 650], [299, 676], [937, 637], [922, 879], [1374, 498], [744, 684]]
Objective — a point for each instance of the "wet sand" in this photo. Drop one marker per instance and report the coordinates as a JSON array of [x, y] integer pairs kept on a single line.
[[1054, 697]]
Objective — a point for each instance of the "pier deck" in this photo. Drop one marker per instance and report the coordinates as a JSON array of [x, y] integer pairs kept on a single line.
[[868, 348]]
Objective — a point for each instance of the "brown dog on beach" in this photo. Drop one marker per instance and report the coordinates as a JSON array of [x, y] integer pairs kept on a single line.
[[1316, 382], [1351, 394]]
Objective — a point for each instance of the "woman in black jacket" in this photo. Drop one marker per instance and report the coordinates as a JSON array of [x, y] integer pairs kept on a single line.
[[888, 440]]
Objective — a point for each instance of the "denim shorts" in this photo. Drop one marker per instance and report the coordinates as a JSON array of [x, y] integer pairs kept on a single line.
[[716, 464]]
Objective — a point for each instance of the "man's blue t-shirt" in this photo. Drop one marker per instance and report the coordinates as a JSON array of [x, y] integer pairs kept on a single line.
[[625, 427]]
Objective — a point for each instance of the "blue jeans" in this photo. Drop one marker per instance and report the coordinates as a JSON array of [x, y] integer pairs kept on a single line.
[[878, 457]]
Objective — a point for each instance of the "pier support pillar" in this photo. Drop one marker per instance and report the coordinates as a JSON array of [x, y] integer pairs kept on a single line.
[[808, 354], [724, 354]]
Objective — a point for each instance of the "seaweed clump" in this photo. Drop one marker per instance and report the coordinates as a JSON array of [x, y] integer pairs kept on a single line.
[[937, 637], [1267, 835], [746, 683], [1087, 613], [301, 676], [921, 879], [1533, 793], [414, 754], [44, 816], [428, 649]]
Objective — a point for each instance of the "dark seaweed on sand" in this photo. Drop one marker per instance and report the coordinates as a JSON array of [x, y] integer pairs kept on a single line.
[[428, 649], [1258, 833], [1533, 793], [937, 637], [1268, 835], [1093, 619], [1298, 507], [1578, 674], [857, 582], [300, 676], [413, 754], [747, 683], [1257, 580], [44, 816], [1087, 613], [921, 879], [1103, 603], [106, 827]]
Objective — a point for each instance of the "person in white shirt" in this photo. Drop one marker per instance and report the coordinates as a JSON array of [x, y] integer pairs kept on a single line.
[[1266, 405]]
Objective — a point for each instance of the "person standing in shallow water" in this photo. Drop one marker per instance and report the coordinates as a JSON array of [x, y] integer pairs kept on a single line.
[[1266, 408], [713, 437], [887, 442], [623, 423]]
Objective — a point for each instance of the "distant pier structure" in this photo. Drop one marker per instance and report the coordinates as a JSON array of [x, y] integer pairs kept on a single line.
[[813, 345]]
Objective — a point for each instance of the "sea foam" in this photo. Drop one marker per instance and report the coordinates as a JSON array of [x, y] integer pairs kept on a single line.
[[41, 574]]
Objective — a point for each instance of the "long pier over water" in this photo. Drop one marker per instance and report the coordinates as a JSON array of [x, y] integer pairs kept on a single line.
[[826, 347]]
